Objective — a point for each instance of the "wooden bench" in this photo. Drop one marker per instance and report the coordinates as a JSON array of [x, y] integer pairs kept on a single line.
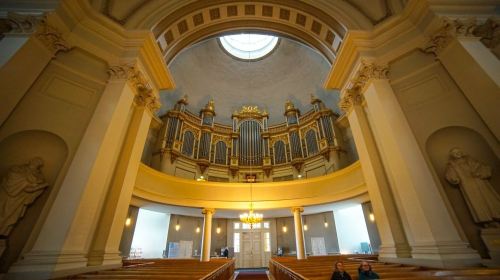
[[217, 269], [321, 268]]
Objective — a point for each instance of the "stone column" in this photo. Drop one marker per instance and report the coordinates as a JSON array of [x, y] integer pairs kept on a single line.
[[299, 233], [105, 246], [207, 234], [457, 44], [23, 68], [393, 239], [65, 237], [430, 228]]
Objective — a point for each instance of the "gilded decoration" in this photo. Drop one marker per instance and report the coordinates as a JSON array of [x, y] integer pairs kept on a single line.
[[249, 111], [51, 37]]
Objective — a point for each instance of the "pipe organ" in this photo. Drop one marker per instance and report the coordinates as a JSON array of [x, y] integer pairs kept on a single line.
[[249, 144]]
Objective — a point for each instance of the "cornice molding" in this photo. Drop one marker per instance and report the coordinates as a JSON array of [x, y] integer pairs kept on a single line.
[[106, 39]]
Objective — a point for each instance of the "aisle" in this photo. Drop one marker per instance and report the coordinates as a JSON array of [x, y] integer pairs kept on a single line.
[[256, 274]]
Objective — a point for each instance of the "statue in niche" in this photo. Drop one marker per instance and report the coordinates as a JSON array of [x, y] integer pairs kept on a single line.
[[19, 188], [472, 177]]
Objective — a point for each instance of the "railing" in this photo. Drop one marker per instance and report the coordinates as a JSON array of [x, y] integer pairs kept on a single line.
[[281, 272], [222, 273]]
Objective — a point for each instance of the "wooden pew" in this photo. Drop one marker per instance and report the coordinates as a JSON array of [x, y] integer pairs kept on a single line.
[[182, 269], [321, 268]]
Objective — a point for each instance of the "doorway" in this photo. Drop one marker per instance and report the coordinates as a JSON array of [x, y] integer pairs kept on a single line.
[[252, 245]]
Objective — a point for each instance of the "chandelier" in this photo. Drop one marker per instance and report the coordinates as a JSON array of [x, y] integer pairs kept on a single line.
[[251, 218]]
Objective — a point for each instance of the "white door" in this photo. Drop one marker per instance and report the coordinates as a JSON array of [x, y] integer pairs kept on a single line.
[[251, 249], [185, 249], [318, 246]]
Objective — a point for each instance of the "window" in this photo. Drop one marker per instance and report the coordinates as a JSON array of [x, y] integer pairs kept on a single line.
[[248, 46], [245, 226], [236, 225], [267, 242], [236, 242], [266, 224]]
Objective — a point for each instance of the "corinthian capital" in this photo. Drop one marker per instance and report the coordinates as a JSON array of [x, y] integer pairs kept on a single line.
[[51, 37], [350, 98], [366, 72], [146, 97], [19, 24], [450, 29]]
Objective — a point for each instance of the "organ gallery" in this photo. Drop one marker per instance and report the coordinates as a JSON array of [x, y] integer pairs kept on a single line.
[[270, 139]]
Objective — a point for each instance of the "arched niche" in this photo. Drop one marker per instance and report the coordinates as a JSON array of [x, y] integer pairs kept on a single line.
[[472, 143], [17, 149]]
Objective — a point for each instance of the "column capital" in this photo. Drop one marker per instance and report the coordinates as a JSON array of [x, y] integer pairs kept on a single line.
[[51, 37], [350, 98], [366, 71], [16, 23], [449, 29], [299, 209], [144, 94], [205, 211]]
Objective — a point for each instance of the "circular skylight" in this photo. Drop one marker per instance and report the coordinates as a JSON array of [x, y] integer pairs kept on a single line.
[[249, 46]]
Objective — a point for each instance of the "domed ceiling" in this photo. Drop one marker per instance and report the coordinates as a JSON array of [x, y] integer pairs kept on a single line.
[[292, 71]]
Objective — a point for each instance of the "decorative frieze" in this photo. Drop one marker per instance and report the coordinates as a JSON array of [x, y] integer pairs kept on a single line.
[[51, 37]]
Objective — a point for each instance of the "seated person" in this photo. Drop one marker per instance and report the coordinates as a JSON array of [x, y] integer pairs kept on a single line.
[[225, 252], [339, 273], [365, 272]]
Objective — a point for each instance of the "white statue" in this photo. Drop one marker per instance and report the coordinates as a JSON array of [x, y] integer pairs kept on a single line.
[[19, 188], [472, 176]]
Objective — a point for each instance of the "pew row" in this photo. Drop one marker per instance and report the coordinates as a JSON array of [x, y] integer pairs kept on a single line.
[[321, 268], [182, 269]]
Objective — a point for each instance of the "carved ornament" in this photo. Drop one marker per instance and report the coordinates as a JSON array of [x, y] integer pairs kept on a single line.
[[367, 71], [349, 99], [19, 23], [489, 32], [51, 37]]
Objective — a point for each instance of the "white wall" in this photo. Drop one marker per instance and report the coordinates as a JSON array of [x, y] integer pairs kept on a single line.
[[351, 229], [151, 233]]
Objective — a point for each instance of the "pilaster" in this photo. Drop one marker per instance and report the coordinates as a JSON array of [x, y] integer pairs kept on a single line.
[[393, 240], [105, 246], [431, 232], [460, 46]]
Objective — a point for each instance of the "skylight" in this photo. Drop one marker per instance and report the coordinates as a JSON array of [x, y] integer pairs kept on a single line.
[[249, 46]]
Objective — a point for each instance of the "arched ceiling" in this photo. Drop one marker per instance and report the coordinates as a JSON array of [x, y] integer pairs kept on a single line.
[[292, 71], [177, 24]]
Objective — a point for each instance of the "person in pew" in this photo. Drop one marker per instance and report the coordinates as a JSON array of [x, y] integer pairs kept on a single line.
[[365, 272], [339, 273]]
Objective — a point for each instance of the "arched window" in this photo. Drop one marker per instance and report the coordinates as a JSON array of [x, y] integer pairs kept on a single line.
[[279, 152], [220, 153], [312, 143], [187, 144]]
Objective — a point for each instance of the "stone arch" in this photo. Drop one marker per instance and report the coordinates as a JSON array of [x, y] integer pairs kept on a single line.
[[19, 148], [438, 145]]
